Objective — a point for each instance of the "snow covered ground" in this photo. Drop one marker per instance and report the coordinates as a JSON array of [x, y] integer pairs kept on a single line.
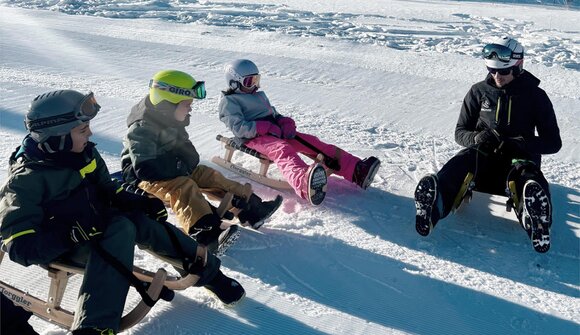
[[382, 78]]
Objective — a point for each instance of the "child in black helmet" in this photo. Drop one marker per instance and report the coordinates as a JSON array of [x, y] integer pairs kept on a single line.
[[60, 203]]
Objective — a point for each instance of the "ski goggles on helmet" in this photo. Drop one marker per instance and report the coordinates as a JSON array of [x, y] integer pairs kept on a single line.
[[196, 92], [251, 81], [500, 52], [84, 111], [88, 107], [503, 72]]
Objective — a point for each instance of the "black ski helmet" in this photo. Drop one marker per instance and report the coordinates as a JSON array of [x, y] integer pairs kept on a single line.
[[52, 115]]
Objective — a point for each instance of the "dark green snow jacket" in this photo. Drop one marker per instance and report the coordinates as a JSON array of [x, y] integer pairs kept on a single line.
[[156, 147], [44, 194]]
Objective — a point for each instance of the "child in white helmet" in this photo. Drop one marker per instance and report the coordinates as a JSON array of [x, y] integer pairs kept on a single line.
[[248, 114]]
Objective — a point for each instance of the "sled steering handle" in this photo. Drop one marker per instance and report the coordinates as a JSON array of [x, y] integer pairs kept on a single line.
[[228, 141]]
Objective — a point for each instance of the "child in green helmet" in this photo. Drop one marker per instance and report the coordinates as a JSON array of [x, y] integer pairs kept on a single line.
[[159, 158]]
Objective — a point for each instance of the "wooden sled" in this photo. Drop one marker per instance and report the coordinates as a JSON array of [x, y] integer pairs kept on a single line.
[[161, 287], [262, 177]]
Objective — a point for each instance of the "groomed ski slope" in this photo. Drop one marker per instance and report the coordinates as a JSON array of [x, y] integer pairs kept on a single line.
[[383, 78]]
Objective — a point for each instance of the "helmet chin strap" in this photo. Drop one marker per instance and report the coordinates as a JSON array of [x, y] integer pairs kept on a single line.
[[234, 85], [61, 143]]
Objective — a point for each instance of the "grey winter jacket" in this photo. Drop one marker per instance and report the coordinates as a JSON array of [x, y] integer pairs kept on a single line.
[[239, 111], [518, 109], [156, 147]]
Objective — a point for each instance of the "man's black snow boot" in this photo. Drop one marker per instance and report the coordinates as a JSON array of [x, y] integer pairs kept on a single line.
[[228, 290], [255, 211], [537, 215], [425, 203], [365, 171]]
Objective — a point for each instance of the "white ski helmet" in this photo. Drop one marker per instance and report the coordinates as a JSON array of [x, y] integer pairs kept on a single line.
[[52, 115], [242, 73], [504, 53]]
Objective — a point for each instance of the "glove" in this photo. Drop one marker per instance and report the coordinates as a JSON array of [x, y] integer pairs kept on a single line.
[[206, 229], [268, 128], [488, 136], [82, 231], [132, 198], [514, 144], [155, 209], [205, 223], [288, 127]]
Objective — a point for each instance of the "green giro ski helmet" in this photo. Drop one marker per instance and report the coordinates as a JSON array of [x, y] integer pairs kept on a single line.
[[51, 117], [174, 86]]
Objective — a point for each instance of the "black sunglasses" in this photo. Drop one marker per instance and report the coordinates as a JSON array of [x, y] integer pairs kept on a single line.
[[503, 72]]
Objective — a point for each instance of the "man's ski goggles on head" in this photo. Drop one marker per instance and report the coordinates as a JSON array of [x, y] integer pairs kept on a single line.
[[251, 81], [196, 92], [501, 53], [503, 72], [84, 111]]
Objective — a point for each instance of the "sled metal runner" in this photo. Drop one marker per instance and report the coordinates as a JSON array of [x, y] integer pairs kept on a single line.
[[261, 177], [59, 273]]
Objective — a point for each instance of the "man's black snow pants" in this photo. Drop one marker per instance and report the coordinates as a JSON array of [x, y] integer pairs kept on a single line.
[[490, 171]]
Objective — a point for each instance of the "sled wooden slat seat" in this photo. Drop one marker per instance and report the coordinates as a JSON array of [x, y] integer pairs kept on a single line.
[[261, 177], [59, 273]]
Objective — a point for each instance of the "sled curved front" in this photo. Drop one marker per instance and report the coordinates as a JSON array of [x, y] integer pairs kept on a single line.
[[59, 273]]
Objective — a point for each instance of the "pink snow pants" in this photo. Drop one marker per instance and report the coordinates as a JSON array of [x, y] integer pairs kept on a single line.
[[284, 152]]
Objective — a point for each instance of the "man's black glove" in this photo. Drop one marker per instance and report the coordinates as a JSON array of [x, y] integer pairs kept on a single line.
[[489, 137], [206, 229], [132, 198], [514, 145]]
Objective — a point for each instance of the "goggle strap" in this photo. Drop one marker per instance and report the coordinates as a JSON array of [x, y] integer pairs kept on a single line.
[[197, 91]]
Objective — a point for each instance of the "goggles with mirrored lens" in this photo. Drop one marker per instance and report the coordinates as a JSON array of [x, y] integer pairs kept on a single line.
[[84, 111], [501, 53], [88, 107], [251, 81], [196, 92], [503, 72]]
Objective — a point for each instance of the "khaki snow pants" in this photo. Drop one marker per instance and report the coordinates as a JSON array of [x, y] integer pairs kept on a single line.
[[185, 197]]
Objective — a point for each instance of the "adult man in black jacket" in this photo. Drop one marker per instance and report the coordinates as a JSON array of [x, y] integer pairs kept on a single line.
[[506, 123]]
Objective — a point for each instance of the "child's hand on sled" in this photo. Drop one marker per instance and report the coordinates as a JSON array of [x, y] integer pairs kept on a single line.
[[288, 127], [268, 128]]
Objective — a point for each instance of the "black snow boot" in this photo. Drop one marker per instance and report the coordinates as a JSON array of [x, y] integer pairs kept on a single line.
[[425, 202], [365, 171], [537, 215], [228, 290], [207, 231], [255, 211]]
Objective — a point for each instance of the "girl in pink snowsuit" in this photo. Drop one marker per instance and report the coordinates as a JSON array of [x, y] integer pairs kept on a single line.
[[254, 122]]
